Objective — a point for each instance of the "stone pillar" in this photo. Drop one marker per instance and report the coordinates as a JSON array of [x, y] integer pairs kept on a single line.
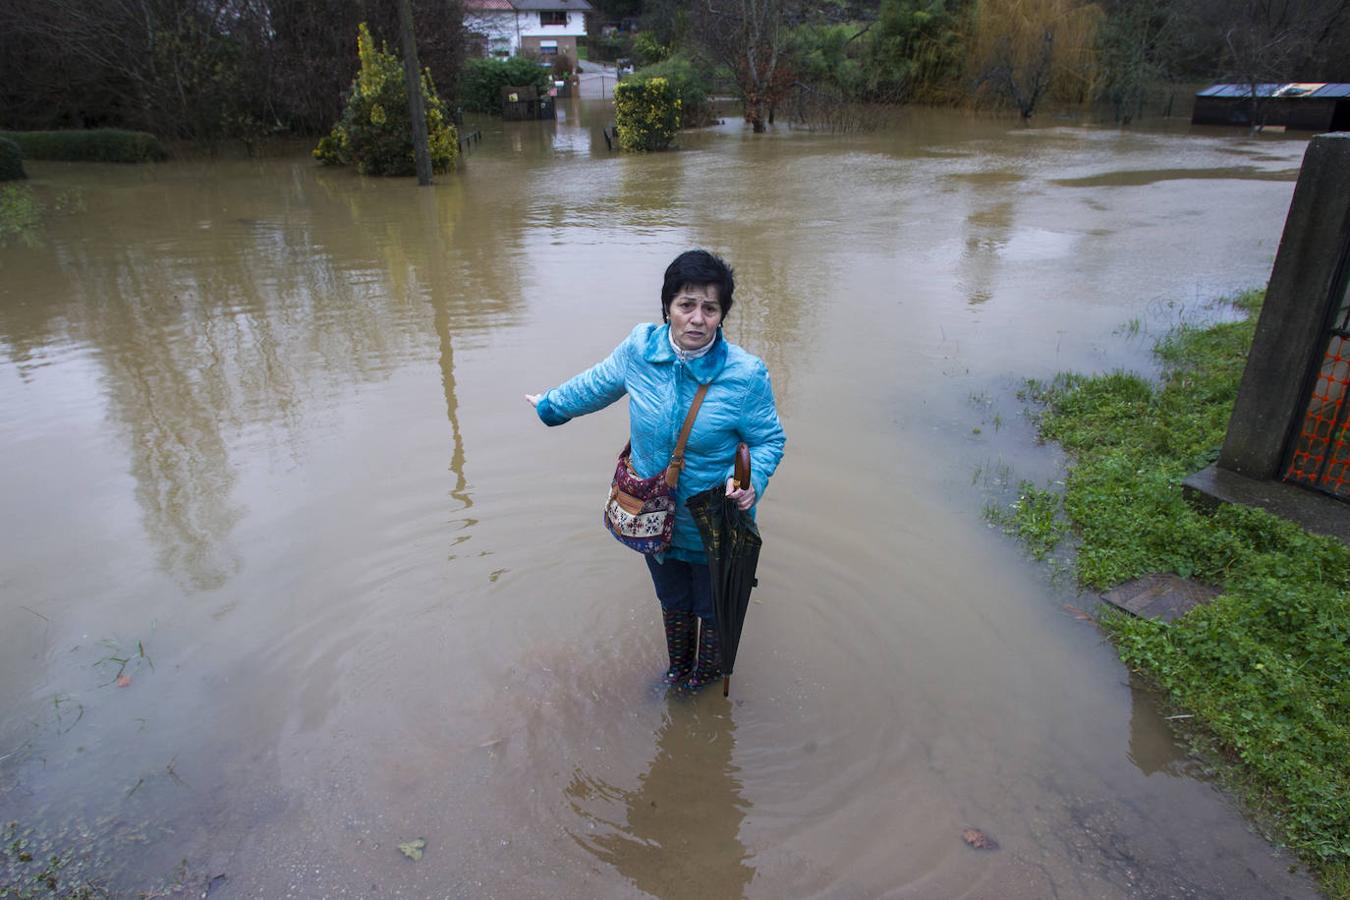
[[1291, 333], [1291, 338]]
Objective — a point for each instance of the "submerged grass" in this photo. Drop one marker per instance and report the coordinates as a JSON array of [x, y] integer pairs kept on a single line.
[[1265, 667]]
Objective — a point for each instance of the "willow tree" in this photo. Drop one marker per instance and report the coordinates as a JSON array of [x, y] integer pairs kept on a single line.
[[1025, 51]]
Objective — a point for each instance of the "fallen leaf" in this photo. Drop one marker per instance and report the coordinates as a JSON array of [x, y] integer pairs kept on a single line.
[[123, 680], [978, 839], [1078, 613], [413, 849]]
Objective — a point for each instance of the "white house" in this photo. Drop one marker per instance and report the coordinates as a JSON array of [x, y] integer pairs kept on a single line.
[[543, 28]]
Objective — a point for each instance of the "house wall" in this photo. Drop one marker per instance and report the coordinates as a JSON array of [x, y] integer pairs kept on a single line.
[[575, 27], [566, 45], [521, 32]]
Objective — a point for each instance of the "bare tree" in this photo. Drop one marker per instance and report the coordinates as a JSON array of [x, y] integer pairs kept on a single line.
[[1024, 82], [750, 38], [200, 68]]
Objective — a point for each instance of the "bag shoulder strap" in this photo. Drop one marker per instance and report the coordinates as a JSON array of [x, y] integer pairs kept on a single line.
[[677, 458]]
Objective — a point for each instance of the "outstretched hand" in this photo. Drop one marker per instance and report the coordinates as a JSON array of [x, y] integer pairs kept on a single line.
[[744, 498]]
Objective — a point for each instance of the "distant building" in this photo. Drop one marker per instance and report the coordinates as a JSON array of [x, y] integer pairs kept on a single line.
[[542, 28], [1307, 107]]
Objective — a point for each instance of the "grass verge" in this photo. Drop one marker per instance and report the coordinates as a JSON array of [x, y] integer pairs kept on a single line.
[[1264, 668], [94, 145]]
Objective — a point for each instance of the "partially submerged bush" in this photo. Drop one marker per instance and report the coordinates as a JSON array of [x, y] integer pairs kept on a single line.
[[483, 79], [646, 114], [691, 83], [375, 131], [20, 214], [95, 145], [11, 161]]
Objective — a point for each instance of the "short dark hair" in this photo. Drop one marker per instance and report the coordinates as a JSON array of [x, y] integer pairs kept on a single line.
[[698, 268]]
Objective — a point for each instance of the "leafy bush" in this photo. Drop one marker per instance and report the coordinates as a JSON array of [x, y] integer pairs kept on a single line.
[[96, 145], [691, 82], [647, 50], [11, 161], [20, 213], [483, 79], [609, 46], [375, 131], [646, 114], [1265, 665]]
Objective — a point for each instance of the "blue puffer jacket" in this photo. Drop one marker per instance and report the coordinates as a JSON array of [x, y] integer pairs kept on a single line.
[[738, 407]]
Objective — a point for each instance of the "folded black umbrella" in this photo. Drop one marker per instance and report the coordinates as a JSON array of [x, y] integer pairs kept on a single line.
[[731, 542]]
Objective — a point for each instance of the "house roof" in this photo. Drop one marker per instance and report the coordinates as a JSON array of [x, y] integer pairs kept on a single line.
[[529, 5], [1318, 90]]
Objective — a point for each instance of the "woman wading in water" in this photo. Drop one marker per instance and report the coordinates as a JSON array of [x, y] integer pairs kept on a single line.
[[661, 368]]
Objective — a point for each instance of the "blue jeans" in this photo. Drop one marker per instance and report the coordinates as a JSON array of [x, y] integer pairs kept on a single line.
[[683, 587]]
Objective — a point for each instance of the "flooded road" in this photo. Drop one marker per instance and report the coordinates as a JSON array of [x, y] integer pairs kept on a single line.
[[265, 460]]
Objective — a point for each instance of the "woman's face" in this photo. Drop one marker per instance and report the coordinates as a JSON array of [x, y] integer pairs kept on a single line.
[[694, 315]]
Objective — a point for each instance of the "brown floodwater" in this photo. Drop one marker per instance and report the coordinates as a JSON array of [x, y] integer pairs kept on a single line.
[[263, 451]]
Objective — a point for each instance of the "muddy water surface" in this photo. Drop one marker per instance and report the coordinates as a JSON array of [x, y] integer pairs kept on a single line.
[[263, 452]]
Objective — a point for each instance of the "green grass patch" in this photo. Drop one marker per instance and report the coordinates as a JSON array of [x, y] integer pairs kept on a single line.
[[1265, 667], [1034, 518], [94, 145]]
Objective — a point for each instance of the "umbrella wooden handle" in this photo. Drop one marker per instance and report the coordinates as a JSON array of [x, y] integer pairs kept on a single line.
[[742, 471]]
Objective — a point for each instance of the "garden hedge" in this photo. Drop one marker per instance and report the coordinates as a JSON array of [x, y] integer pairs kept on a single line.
[[95, 145]]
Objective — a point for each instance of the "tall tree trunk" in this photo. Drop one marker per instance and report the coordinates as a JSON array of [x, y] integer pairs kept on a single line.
[[416, 110]]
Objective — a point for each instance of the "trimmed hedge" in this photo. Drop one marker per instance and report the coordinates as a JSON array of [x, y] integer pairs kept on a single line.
[[646, 114], [482, 81], [11, 161], [96, 145]]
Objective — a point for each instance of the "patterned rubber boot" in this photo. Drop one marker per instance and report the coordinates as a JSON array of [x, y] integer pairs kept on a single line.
[[708, 668], [681, 636]]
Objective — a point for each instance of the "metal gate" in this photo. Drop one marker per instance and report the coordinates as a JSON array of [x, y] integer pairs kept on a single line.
[[1319, 454]]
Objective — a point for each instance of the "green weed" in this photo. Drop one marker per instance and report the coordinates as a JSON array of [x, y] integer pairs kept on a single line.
[[1034, 517]]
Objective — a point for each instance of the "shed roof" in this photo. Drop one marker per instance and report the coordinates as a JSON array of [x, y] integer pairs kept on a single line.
[[1289, 90]]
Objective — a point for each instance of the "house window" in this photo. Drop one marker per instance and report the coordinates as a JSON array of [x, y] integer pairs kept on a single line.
[[553, 18], [548, 48]]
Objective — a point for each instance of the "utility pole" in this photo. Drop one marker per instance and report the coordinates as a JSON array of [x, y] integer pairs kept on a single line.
[[416, 109]]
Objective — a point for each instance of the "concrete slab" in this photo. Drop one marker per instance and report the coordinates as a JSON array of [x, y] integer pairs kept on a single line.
[[1318, 513], [1160, 596]]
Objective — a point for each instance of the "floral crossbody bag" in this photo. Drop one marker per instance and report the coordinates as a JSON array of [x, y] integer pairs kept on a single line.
[[640, 512]]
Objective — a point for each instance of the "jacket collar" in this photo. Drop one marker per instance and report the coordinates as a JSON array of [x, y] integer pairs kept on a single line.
[[704, 369]]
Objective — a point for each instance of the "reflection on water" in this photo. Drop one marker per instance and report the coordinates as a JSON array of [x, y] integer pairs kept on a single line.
[[677, 833], [440, 282], [1152, 747]]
